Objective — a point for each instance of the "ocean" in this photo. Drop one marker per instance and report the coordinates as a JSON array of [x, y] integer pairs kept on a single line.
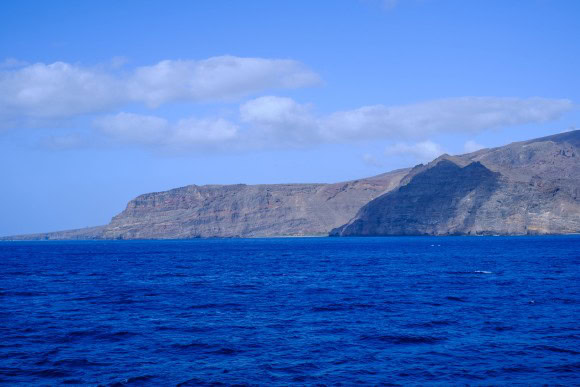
[[395, 310]]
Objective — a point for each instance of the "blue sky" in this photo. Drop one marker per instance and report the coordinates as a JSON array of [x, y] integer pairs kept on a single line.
[[101, 101]]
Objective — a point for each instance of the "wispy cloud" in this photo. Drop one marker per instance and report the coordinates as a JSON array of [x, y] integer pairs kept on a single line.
[[215, 79], [280, 122], [134, 128], [160, 133], [422, 151], [63, 142], [472, 146], [33, 94], [285, 117], [60, 90], [465, 114], [9, 63], [272, 122], [56, 90]]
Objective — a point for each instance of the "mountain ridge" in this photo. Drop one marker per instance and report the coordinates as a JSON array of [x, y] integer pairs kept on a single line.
[[536, 191], [236, 210], [526, 187]]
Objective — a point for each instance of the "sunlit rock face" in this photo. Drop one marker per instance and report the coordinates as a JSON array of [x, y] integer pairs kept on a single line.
[[237, 211], [247, 210]]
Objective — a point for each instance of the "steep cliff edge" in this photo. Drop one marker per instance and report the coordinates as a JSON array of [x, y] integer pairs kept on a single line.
[[247, 210], [530, 187], [237, 211]]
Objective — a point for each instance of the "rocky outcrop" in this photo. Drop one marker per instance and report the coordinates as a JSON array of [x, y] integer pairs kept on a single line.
[[530, 187], [247, 210], [238, 211]]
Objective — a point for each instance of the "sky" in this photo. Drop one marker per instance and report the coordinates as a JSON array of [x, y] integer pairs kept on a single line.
[[101, 101]]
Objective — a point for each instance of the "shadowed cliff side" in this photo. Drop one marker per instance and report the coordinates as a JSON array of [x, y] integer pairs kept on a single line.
[[530, 187], [440, 200]]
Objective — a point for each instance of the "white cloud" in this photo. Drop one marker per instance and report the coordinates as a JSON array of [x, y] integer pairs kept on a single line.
[[283, 117], [472, 146], [279, 121], [217, 78], [272, 122], [271, 110], [466, 114], [33, 93], [158, 132], [56, 90], [421, 151], [60, 90]]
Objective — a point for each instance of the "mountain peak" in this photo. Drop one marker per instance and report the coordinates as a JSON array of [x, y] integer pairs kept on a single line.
[[530, 187]]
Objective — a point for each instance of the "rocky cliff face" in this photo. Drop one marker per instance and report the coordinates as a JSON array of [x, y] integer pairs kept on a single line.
[[238, 211], [247, 210], [530, 187]]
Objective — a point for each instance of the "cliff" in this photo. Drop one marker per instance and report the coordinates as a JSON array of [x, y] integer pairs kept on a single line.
[[237, 211], [530, 187]]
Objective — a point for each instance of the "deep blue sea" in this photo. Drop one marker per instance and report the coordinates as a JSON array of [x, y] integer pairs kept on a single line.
[[409, 310]]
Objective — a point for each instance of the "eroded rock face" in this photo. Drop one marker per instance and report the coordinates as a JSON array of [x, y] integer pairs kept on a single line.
[[523, 188], [237, 211], [247, 210], [530, 187], [440, 200]]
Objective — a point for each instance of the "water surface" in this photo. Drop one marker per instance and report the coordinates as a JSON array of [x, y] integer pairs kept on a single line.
[[412, 310]]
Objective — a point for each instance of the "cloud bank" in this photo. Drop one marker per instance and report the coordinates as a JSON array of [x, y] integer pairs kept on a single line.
[[272, 122], [465, 114], [215, 79], [33, 94], [61, 90]]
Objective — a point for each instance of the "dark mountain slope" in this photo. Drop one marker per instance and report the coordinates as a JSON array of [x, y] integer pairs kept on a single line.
[[530, 187]]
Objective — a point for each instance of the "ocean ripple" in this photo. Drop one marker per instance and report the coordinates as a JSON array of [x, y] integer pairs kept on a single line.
[[306, 311]]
